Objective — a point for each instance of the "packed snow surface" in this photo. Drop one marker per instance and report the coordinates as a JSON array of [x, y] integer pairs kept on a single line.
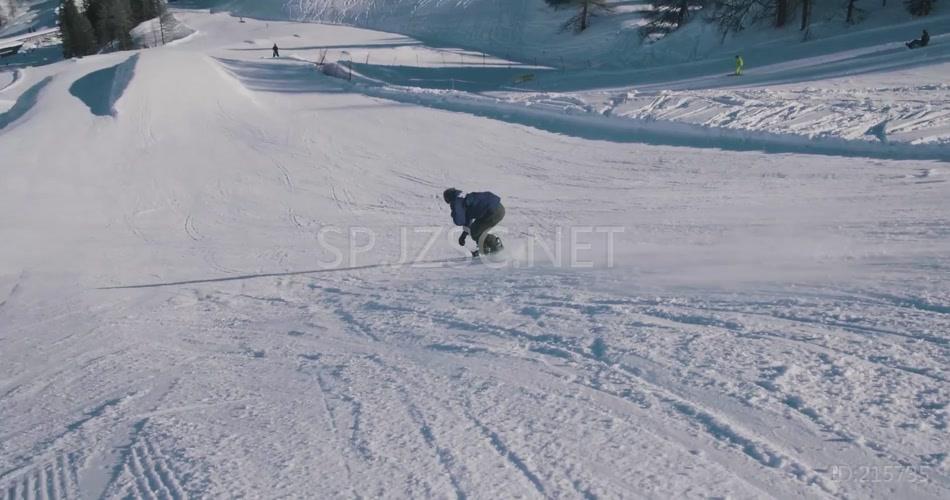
[[836, 83], [206, 287]]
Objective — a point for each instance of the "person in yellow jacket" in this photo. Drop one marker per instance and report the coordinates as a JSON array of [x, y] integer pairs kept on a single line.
[[739, 64]]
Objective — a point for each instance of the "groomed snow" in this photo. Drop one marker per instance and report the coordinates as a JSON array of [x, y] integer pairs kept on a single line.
[[856, 84], [201, 295]]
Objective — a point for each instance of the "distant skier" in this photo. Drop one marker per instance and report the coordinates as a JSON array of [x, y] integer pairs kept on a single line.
[[920, 42], [477, 213], [739, 64], [276, 51]]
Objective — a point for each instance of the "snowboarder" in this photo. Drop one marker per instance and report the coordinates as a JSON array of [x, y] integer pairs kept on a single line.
[[276, 51], [739, 64], [477, 213], [920, 42]]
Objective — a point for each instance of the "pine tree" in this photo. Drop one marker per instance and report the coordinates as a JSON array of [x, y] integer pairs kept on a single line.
[[143, 10], [114, 23], [853, 12], [668, 15], [919, 7], [781, 13], [94, 12], [122, 22], [586, 10], [78, 37], [733, 16], [806, 14]]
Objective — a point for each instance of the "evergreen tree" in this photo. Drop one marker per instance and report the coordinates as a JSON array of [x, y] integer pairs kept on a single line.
[[781, 13], [806, 14], [122, 20], [586, 10], [668, 15], [854, 13], [114, 19], [94, 11], [77, 33], [919, 7], [143, 10], [733, 16]]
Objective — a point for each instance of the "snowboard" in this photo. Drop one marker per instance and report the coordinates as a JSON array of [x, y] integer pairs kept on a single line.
[[493, 245]]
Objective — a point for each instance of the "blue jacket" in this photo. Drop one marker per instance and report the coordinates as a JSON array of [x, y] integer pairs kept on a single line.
[[473, 206]]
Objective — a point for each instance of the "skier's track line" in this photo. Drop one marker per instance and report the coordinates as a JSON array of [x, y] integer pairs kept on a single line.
[[506, 452], [288, 273]]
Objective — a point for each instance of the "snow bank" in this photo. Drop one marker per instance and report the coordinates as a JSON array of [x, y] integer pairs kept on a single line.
[[568, 121], [24, 103], [908, 114], [155, 32], [9, 78]]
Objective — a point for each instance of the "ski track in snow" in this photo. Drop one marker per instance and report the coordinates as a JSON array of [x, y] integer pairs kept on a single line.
[[916, 115], [176, 331]]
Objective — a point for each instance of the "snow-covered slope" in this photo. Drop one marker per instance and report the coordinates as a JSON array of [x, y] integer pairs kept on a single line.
[[200, 295], [531, 31], [527, 30], [847, 87], [25, 14]]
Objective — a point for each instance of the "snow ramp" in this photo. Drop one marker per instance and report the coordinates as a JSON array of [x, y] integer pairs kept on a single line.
[[101, 89], [24, 103]]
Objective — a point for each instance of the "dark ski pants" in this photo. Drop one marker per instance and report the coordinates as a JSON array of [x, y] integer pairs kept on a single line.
[[481, 226]]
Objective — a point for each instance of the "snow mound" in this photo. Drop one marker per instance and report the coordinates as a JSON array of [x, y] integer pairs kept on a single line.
[[23, 104], [101, 89], [155, 32]]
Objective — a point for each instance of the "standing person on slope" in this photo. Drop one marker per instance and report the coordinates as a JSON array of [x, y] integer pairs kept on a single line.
[[276, 51], [739, 64], [477, 213]]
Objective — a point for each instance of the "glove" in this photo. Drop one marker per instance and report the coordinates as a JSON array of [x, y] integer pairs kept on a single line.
[[462, 238]]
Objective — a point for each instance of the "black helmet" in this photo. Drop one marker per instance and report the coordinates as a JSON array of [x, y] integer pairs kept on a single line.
[[450, 194]]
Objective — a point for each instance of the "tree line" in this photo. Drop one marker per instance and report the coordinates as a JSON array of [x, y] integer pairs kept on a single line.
[[735, 15], [103, 24], [665, 16]]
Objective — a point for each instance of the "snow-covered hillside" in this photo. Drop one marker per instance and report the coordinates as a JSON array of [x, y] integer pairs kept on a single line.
[[527, 30], [25, 14], [836, 82], [224, 274]]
